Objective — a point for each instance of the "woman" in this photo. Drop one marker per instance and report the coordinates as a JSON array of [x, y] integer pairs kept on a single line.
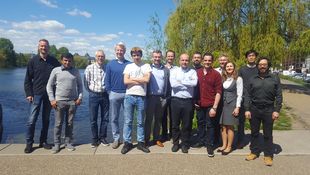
[[232, 96]]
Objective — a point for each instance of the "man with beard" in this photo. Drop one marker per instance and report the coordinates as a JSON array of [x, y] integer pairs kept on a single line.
[[263, 101]]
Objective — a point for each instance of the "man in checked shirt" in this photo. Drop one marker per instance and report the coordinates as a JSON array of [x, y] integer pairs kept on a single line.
[[98, 98]]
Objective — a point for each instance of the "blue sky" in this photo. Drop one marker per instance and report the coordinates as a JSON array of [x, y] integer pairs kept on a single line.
[[81, 26]]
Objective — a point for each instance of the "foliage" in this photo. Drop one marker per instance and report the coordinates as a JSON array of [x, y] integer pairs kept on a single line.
[[7, 53], [80, 62], [277, 29]]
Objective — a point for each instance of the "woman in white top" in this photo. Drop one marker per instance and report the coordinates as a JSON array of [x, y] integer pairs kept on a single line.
[[232, 96]]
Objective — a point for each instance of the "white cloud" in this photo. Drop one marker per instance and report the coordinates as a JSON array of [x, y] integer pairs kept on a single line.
[[49, 3], [129, 34], [39, 25], [140, 35], [71, 31], [107, 37], [77, 12], [121, 33], [3, 21]]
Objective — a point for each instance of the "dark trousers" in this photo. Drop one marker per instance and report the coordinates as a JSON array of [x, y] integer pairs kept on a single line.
[[241, 118], [264, 116], [181, 112], [210, 123], [166, 116], [201, 122]]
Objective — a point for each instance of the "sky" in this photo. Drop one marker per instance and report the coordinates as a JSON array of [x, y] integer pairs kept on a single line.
[[81, 26]]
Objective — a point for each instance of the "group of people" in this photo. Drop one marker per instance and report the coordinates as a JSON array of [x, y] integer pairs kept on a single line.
[[162, 97]]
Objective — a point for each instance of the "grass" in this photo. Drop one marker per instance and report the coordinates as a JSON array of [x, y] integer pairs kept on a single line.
[[298, 81]]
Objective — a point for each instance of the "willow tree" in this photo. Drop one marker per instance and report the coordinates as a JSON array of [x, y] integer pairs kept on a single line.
[[269, 26]]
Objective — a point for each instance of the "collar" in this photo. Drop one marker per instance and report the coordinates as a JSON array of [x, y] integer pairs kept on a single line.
[[249, 66], [63, 68], [160, 67]]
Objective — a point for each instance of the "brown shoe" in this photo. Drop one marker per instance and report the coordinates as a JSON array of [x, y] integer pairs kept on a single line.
[[251, 156], [159, 143], [268, 160]]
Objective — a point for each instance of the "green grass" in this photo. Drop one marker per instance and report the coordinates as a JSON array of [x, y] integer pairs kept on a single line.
[[298, 81]]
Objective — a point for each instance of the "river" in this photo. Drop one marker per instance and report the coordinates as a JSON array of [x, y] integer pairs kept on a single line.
[[16, 111]]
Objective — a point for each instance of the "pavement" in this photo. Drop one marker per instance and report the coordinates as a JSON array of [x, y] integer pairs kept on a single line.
[[282, 146]]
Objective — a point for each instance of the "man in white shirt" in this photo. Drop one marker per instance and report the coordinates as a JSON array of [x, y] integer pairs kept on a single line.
[[136, 77]]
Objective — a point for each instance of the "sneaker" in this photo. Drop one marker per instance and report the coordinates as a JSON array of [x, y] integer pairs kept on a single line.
[[175, 148], [268, 160], [28, 149], [70, 147], [115, 144], [198, 145], [251, 156], [94, 144], [126, 148], [159, 143], [45, 145], [184, 149], [56, 149], [104, 142], [141, 146], [210, 151]]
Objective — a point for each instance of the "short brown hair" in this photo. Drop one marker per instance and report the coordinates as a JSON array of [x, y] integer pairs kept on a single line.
[[136, 50]]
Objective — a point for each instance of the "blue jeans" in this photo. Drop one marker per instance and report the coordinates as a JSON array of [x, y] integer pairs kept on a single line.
[[131, 103], [116, 103], [96, 101], [35, 106], [65, 110]]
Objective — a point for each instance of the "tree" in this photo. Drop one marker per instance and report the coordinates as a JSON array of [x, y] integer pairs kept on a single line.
[[271, 27], [7, 53]]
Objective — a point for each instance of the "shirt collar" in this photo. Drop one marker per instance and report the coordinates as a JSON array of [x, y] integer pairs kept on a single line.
[[63, 68]]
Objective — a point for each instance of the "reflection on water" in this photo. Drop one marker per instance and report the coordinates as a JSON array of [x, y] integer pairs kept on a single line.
[[16, 110]]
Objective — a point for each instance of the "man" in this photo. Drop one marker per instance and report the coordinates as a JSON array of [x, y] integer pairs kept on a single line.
[[196, 60], [166, 132], [263, 101], [183, 81], [157, 92], [98, 99], [223, 59], [38, 71], [210, 90], [246, 72], [64, 89], [114, 85], [136, 77]]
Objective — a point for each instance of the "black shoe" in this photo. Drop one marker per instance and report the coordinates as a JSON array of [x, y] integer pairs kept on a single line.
[[210, 151], [141, 146], [175, 148], [184, 149], [45, 145], [28, 149], [126, 148], [94, 144], [198, 145]]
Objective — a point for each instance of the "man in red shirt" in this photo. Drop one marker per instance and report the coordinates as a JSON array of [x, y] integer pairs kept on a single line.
[[210, 90]]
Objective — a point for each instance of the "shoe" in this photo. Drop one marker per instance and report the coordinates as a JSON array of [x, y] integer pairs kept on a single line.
[[210, 151], [126, 148], [268, 160], [198, 145], [224, 153], [70, 147], [240, 146], [104, 142], [141, 146], [175, 148], [115, 144], [56, 149], [159, 143], [45, 145], [184, 149], [219, 150], [28, 149], [251, 156], [94, 144]]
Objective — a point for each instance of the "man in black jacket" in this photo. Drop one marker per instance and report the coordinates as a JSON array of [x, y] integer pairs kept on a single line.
[[263, 101], [38, 71]]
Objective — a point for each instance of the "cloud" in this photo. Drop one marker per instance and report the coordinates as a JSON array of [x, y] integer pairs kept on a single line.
[[3, 21], [77, 12], [71, 31], [48, 3], [140, 35], [48, 25], [107, 37], [121, 33]]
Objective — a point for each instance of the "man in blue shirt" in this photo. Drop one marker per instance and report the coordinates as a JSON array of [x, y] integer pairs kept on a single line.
[[114, 84]]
